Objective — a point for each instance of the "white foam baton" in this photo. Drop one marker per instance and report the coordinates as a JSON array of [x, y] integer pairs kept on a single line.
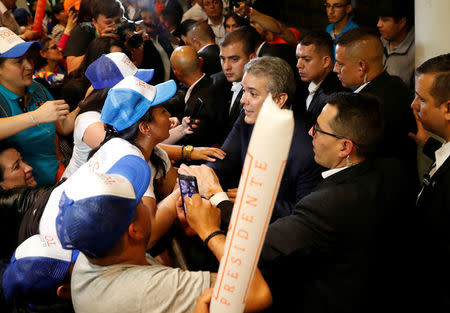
[[258, 188]]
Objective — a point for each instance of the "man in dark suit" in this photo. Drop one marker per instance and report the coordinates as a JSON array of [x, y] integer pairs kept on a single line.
[[359, 66], [236, 49], [157, 49], [209, 130], [202, 39], [345, 244], [263, 76], [432, 109], [315, 54]]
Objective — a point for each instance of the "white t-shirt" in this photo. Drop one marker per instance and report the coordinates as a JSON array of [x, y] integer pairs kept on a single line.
[[81, 149], [100, 162], [129, 288]]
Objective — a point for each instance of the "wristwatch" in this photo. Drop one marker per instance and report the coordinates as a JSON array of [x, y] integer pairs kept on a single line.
[[188, 150]]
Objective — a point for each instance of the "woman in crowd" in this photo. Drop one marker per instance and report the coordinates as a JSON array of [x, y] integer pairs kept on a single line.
[[50, 65], [233, 21], [28, 115]]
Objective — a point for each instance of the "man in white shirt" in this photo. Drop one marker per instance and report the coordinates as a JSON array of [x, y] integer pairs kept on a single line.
[[315, 54], [432, 110], [213, 9]]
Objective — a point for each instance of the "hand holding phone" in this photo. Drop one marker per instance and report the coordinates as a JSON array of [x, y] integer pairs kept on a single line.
[[188, 187]]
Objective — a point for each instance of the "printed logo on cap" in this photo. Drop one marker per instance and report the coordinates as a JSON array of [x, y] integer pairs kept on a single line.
[[123, 63], [8, 39], [135, 84]]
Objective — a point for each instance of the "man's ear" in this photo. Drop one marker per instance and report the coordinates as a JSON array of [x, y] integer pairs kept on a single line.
[[446, 108], [252, 55], [42, 53], [326, 61], [346, 148], [281, 99], [135, 231], [63, 291]]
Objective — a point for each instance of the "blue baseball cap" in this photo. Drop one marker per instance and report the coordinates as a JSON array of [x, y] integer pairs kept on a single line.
[[95, 213], [130, 99], [12, 46], [38, 265], [111, 68]]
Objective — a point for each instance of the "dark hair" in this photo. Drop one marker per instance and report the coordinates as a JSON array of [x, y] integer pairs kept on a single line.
[[3, 147], [322, 41], [76, 84], [95, 101], [241, 21], [184, 27], [440, 66], [40, 61], [109, 8], [247, 35], [359, 119], [354, 35], [97, 47], [171, 16], [131, 134]]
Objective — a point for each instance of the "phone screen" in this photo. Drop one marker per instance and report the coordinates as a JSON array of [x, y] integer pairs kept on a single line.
[[188, 187]]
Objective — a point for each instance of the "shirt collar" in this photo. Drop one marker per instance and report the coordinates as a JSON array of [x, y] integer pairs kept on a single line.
[[204, 47], [236, 86], [312, 88], [189, 91], [442, 154], [404, 46], [358, 90], [12, 96], [333, 171]]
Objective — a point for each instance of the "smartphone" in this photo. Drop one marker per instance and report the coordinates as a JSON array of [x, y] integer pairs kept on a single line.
[[196, 111], [188, 187]]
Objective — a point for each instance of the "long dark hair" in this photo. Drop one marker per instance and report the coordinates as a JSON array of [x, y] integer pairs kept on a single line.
[[131, 134], [95, 101]]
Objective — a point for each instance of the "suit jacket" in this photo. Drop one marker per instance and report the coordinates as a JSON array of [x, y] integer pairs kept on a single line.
[[210, 128], [223, 88], [211, 60], [329, 85], [396, 99], [434, 209], [300, 176], [152, 58], [344, 245]]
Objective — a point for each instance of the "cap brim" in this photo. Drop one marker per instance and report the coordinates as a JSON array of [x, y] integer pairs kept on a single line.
[[20, 49], [136, 170], [164, 92], [145, 75]]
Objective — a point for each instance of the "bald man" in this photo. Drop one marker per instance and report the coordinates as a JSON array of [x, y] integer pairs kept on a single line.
[[187, 67], [202, 39], [359, 66]]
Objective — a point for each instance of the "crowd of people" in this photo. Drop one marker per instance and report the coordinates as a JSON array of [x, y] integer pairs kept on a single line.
[[103, 108]]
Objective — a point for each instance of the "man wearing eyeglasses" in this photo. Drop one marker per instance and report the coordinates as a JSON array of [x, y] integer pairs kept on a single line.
[[339, 15], [343, 246]]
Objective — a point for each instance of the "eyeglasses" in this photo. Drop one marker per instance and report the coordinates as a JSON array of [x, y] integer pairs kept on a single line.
[[316, 129], [334, 6]]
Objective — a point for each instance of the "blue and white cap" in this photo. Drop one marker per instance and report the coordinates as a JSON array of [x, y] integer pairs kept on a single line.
[[12, 46], [97, 210], [111, 68], [39, 265], [130, 99]]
